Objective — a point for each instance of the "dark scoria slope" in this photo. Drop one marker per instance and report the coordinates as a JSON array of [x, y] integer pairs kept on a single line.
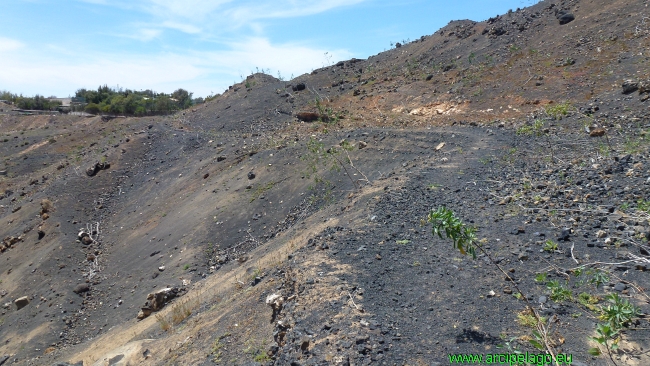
[[178, 207]]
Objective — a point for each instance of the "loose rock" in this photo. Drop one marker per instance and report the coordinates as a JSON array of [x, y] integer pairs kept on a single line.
[[629, 86], [565, 18], [81, 288], [21, 302]]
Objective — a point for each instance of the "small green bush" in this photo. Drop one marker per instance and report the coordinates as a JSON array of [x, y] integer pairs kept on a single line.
[[463, 236], [558, 110]]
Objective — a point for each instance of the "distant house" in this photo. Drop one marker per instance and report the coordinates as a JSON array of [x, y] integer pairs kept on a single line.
[[69, 103], [65, 102]]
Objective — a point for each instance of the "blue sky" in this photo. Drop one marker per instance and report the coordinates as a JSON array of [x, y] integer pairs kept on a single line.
[[56, 47]]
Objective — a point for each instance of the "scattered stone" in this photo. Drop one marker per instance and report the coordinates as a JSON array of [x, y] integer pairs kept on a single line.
[[9, 241], [93, 169], [143, 313], [361, 339], [629, 86], [273, 349], [565, 62], [275, 301], [299, 87], [507, 290], [304, 343], [307, 116], [564, 235], [251, 175], [517, 231], [601, 234], [256, 280], [21, 302], [542, 299], [221, 158], [157, 300], [620, 287], [644, 87], [597, 132], [41, 234], [565, 18], [81, 288]]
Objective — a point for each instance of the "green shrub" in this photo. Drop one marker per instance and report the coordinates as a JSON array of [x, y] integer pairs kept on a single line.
[[619, 312], [558, 110], [92, 108], [464, 237], [559, 292]]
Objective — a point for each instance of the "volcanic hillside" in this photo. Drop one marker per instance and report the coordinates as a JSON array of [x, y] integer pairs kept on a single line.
[[287, 222]]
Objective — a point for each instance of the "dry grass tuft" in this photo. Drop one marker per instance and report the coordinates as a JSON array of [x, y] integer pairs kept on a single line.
[[165, 325], [180, 311]]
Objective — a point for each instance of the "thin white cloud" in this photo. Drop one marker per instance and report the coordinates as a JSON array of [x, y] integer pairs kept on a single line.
[[232, 14], [8, 44], [199, 72], [284, 9], [147, 34], [100, 2], [186, 28], [139, 33], [122, 4], [288, 58], [188, 9]]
